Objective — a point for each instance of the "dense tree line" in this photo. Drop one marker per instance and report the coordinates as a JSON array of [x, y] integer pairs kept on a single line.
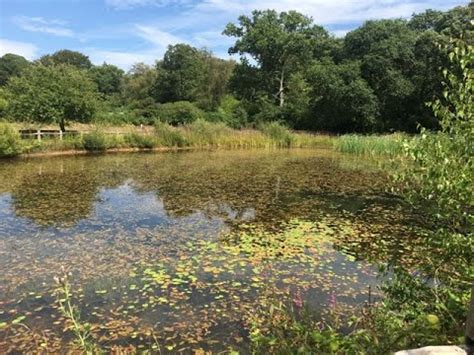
[[375, 79]]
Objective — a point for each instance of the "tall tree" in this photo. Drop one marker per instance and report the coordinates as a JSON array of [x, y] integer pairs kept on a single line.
[[11, 65], [386, 51], [66, 56], [278, 42], [52, 94], [180, 74]]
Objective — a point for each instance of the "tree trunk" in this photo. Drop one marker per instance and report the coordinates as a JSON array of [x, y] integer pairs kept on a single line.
[[470, 324], [282, 87], [61, 125]]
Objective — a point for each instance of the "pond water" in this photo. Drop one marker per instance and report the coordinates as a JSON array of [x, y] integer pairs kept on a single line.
[[174, 251]]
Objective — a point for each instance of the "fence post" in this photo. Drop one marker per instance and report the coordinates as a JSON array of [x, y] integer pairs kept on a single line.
[[38, 134], [60, 135]]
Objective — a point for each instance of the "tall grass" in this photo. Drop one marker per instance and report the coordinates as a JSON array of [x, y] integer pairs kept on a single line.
[[198, 134], [388, 145], [279, 134]]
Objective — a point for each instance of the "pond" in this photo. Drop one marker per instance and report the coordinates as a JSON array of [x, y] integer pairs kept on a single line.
[[174, 251]]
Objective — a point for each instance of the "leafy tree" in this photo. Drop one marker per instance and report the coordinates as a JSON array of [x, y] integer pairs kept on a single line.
[[279, 44], [11, 65], [428, 20], [138, 89], [108, 78], [180, 74], [66, 56], [341, 100], [52, 94], [214, 86], [386, 51]]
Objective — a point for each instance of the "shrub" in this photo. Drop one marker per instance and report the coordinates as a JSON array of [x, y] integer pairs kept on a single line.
[[95, 142], [137, 140], [169, 136], [278, 133], [10, 144], [180, 112]]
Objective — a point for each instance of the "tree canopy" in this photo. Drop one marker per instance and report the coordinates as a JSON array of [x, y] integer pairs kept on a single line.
[[52, 94], [66, 56], [11, 65]]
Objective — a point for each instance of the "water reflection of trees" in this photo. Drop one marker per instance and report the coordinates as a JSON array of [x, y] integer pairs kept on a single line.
[[262, 186], [57, 192]]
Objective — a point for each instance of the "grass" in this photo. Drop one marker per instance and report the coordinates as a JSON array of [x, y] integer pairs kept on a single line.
[[389, 145], [199, 135]]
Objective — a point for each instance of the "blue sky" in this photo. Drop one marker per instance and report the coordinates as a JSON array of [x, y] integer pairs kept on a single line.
[[123, 32]]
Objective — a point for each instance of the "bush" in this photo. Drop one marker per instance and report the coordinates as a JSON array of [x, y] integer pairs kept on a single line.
[[137, 140], [180, 112], [232, 112], [169, 136], [278, 133], [95, 142], [10, 144]]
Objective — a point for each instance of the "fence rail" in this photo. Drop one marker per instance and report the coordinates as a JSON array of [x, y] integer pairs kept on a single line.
[[39, 134]]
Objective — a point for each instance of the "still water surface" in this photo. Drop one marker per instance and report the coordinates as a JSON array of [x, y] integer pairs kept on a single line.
[[176, 250]]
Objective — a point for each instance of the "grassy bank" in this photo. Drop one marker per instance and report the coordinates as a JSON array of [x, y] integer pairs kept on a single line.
[[197, 135]]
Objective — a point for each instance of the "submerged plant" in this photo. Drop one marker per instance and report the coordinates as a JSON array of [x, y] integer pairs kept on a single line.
[[82, 331]]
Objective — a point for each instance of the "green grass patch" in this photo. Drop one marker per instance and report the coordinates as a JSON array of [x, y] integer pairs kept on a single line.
[[389, 145]]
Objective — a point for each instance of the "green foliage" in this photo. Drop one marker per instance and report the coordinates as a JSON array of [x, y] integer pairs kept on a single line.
[[206, 133], [278, 133], [95, 141], [180, 74], [108, 78], [10, 144], [386, 145], [341, 100], [440, 169], [67, 57], [51, 94], [137, 91], [136, 140], [169, 136], [180, 112], [279, 42], [11, 65], [81, 331]]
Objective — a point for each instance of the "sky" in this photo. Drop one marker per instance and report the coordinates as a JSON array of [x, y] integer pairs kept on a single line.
[[124, 32]]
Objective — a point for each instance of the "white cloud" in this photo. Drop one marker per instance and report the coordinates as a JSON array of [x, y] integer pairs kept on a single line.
[[324, 12], [130, 4], [121, 59], [156, 36], [40, 24], [27, 50]]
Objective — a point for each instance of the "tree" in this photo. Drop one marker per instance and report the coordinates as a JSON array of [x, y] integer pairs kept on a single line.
[[138, 90], [279, 44], [11, 65], [108, 78], [66, 56], [51, 94], [215, 81], [180, 74], [385, 49], [341, 100]]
